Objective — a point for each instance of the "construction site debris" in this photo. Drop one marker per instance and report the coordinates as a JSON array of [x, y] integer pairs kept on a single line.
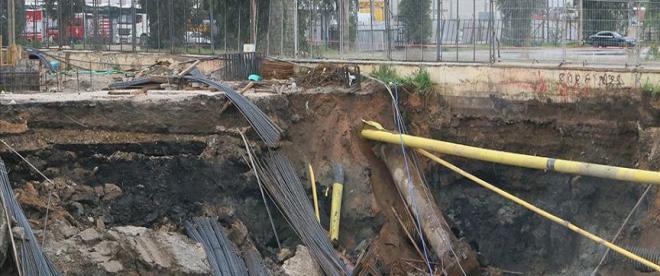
[[275, 69], [90, 235], [302, 264], [330, 74], [94, 252], [111, 192]]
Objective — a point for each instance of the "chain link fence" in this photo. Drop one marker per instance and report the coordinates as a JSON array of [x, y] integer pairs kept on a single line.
[[582, 32]]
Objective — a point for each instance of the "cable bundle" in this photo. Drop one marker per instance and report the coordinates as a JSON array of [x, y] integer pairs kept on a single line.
[[269, 132], [220, 252], [32, 260], [285, 188]]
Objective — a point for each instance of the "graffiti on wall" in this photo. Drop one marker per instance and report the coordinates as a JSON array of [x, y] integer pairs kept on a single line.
[[591, 80]]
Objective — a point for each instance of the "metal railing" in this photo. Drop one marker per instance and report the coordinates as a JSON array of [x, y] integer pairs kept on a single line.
[[482, 31]]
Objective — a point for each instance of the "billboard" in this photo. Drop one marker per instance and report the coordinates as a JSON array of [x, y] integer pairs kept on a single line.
[[364, 11]]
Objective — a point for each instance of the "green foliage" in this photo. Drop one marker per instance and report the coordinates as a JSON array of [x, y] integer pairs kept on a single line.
[[420, 82], [651, 89], [387, 74], [67, 12], [516, 20], [164, 15], [653, 52], [605, 16], [20, 20], [416, 19]]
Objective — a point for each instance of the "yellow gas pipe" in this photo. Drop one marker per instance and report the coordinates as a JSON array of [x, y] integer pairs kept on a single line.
[[541, 212], [513, 159], [316, 199], [335, 208]]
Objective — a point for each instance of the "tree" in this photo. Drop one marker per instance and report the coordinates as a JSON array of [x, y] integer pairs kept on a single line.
[[20, 19], [605, 16], [167, 21], [65, 14], [416, 19], [652, 22], [517, 19]]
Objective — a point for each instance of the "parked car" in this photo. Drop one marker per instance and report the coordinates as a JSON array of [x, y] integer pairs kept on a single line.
[[607, 38]]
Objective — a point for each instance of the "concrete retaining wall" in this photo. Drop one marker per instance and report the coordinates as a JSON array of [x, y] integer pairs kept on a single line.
[[524, 82]]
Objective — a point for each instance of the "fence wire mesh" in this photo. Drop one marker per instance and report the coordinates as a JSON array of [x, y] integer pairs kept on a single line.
[[604, 32]]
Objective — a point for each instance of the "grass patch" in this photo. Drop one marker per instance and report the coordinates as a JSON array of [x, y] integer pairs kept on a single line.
[[387, 74], [419, 82], [651, 89]]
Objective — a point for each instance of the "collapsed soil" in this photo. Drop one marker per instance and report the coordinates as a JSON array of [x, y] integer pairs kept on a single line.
[[186, 164]]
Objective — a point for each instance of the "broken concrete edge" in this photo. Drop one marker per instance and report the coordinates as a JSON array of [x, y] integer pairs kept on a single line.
[[103, 96]]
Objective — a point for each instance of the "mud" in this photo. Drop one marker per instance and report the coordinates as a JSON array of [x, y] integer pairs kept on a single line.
[[171, 160]]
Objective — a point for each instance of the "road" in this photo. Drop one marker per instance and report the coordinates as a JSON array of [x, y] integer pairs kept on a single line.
[[551, 55]]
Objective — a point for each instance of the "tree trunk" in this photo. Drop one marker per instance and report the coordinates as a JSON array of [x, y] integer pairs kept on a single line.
[[253, 21], [433, 225], [344, 24]]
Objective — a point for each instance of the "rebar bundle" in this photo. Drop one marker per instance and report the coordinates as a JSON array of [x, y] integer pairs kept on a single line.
[[31, 259], [285, 188], [220, 252], [652, 255], [269, 132]]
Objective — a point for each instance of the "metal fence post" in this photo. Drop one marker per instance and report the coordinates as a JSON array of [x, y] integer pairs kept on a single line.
[[133, 26], [169, 25], [211, 26], [388, 29], [438, 31], [371, 25], [295, 29], [110, 32], [341, 27], [492, 32], [225, 27], [564, 32], [186, 38], [458, 27], [59, 25], [119, 25], [474, 27], [238, 31], [282, 28]]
